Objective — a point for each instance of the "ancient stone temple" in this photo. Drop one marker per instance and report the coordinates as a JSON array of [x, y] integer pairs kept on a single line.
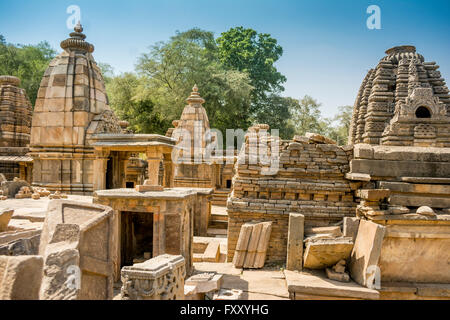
[[15, 123], [404, 101], [192, 134], [401, 159], [200, 164], [72, 105]]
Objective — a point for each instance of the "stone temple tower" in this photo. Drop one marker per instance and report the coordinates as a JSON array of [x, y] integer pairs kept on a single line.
[[192, 132], [15, 123], [404, 101], [72, 105]]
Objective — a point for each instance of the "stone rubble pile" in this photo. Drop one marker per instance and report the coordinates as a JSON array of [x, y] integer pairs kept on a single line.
[[304, 175]]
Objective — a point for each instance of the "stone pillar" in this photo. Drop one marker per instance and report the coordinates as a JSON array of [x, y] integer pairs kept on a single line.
[[123, 161], [168, 173], [159, 236], [100, 165], [152, 183], [294, 259]]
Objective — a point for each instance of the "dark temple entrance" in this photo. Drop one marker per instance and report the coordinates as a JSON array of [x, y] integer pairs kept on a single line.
[[136, 236]]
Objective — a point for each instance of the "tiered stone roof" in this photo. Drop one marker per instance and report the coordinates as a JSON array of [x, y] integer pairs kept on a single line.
[[15, 113], [386, 107]]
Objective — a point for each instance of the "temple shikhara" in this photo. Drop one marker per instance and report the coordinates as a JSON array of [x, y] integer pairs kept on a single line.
[[161, 217]]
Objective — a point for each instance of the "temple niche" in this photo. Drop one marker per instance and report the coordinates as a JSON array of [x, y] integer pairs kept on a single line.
[[71, 106], [404, 101], [15, 123]]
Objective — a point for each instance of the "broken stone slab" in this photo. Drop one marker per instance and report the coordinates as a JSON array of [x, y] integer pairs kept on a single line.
[[373, 194], [366, 251], [242, 245], [334, 231], [301, 139], [190, 293], [350, 227], [77, 244], [322, 253], [358, 177], [294, 259], [252, 246], [205, 282], [315, 285], [160, 278], [20, 277], [5, 217], [263, 244], [318, 138]]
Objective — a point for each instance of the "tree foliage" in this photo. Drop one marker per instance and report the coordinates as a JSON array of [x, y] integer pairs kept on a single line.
[[337, 128], [166, 75], [255, 53], [27, 62]]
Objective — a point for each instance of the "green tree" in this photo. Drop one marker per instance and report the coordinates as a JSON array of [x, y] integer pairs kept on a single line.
[[277, 113], [171, 68], [27, 62], [337, 128], [255, 53], [306, 116], [122, 93]]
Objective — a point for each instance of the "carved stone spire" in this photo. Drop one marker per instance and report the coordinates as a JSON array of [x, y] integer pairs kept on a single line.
[[76, 41], [195, 99]]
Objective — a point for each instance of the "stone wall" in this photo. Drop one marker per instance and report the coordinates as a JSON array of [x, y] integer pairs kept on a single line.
[[309, 180]]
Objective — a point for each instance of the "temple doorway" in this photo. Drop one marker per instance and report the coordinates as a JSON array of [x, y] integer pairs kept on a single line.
[[136, 237]]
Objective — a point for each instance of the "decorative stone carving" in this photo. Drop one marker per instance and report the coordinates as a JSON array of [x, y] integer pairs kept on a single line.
[[77, 244], [390, 95], [106, 122], [160, 278], [420, 121]]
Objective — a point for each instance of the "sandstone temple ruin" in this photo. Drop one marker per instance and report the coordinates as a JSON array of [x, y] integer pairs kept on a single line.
[[89, 210]]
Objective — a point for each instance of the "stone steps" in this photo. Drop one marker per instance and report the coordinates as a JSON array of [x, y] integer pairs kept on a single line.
[[220, 197], [218, 224], [219, 233], [209, 249]]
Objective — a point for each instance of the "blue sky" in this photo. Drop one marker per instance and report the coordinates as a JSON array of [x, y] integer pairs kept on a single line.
[[327, 46]]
